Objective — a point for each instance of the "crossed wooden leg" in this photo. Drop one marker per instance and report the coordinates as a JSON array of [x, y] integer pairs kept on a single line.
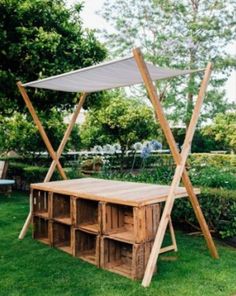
[[54, 155], [172, 247], [180, 160]]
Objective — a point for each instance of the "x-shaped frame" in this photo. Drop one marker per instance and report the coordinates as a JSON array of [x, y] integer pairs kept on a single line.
[[54, 155], [180, 160]]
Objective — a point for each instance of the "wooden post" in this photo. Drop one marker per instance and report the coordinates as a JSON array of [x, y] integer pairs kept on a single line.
[[28, 220], [65, 137], [41, 129], [180, 168], [55, 156], [172, 235]]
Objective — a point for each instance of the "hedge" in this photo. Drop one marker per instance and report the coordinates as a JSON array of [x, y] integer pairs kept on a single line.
[[25, 174], [218, 206]]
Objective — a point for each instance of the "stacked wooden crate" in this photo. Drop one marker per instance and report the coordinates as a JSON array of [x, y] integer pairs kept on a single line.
[[116, 237]]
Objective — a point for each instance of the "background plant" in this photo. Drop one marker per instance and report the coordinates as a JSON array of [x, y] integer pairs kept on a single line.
[[123, 120], [223, 130], [39, 39], [182, 34]]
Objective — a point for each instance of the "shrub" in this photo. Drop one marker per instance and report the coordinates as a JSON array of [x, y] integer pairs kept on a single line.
[[218, 206], [25, 174], [213, 177]]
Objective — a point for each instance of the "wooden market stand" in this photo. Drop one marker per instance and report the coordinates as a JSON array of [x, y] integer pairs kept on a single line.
[[109, 198]]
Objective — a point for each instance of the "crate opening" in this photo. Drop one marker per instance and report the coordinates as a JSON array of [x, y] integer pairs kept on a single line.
[[88, 215], [62, 208], [40, 230], [119, 222], [40, 203], [62, 237], [87, 246], [118, 256]]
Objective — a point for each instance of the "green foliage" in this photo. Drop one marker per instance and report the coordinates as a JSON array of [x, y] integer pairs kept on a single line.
[[223, 130], [25, 174], [122, 120], [40, 38], [159, 175], [181, 34], [200, 143], [213, 177], [219, 208], [20, 134], [198, 160]]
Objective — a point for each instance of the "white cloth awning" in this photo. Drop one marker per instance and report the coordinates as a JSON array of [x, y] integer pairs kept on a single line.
[[113, 74]]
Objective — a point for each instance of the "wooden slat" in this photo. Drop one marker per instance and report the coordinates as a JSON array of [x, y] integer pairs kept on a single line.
[[91, 188]]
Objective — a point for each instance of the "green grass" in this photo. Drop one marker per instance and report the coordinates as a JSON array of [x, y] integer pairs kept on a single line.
[[30, 268]]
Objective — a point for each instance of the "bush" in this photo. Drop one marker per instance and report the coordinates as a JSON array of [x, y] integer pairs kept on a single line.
[[218, 206], [216, 160], [213, 177], [25, 174]]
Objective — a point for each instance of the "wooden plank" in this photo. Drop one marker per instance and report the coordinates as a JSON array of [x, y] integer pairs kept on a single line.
[[172, 234], [82, 188], [180, 160], [167, 249], [28, 220], [65, 137]]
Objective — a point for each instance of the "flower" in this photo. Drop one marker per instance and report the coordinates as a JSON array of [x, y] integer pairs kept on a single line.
[[117, 147], [156, 145], [109, 149], [97, 149], [137, 146], [145, 152]]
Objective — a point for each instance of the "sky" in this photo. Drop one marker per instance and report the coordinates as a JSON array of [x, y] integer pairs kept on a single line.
[[92, 20]]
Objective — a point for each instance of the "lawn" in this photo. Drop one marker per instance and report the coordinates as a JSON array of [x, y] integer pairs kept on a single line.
[[30, 268]]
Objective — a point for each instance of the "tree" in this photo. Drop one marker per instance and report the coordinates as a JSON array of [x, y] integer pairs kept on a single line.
[[122, 120], [40, 38], [223, 130], [19, 133], [181, 34]]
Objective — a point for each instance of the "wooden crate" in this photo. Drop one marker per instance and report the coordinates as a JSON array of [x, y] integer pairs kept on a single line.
[[87, 246], [62, 208], [41, 203], [130, 224], [63, 237], [127, 259], [88, 215], [42, 230]]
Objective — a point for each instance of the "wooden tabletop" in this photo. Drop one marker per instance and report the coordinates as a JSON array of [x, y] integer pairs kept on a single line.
[[120, 192]]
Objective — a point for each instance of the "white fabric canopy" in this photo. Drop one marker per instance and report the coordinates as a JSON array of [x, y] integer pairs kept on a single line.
[[113, 74]]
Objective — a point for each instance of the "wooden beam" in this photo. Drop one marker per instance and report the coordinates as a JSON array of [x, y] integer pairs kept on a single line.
[[167, 249], [180, 161], [40, 128], [49, 148], [172, 235], [65, 137], [29, 218]]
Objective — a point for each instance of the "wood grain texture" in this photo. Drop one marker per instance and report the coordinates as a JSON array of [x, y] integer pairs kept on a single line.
[[119, 192]]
